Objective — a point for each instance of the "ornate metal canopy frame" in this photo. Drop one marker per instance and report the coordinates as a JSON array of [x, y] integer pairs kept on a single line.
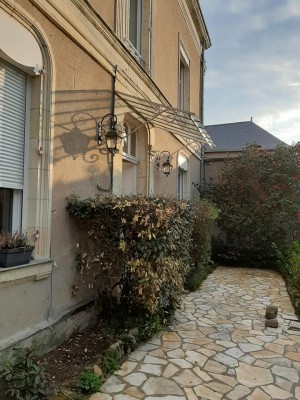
[[181, 123]]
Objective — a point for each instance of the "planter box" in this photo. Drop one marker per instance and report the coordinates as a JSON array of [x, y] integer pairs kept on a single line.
[[14, 257]]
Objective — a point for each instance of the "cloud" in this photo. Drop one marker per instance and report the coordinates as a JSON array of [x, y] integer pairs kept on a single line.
[[253, 64]]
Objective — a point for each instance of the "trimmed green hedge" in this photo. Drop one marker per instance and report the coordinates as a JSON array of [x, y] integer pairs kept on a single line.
[[151, 243]]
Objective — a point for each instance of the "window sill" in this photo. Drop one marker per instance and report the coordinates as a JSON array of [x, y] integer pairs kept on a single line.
[[39, 269], [129, 158], [134, 52]]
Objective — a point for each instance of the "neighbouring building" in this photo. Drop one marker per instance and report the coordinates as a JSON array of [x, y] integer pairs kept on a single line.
[[229, 140], [65, 68]]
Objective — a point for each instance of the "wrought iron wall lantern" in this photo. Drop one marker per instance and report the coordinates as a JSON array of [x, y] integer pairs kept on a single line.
[[166, 166], [111, 132]]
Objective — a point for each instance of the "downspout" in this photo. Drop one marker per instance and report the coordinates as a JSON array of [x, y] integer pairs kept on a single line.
[[202, 65], [112, 110], [115, 16], [148, 161], [150, 38]]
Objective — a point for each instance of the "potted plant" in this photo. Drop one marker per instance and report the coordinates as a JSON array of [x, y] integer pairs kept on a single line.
[[14, 249]]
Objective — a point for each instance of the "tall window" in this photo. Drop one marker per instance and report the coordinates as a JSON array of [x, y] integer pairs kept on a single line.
[[138, 31], [182, 179], [129, 143], [13, 85], [184, 81], [130, 162], [135, 24]]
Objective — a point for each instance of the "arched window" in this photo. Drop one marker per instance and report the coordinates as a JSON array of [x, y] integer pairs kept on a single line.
[[18, 57], [25, 131]]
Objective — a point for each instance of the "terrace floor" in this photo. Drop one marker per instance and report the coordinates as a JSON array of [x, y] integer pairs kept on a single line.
[[218, 346]]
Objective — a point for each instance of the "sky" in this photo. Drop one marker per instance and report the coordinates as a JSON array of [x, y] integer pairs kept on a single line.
[[253, 66]]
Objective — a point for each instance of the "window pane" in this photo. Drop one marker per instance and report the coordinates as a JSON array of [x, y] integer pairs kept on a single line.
[[133, 22], [181, 86], [180, 184], [133, 144], [6, 201], [125, 140]]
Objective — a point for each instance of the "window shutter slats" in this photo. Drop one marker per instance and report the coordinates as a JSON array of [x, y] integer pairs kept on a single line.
[[12, 126]]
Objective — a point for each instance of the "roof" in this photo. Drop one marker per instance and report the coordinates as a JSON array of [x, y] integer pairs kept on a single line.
[[236, 136]]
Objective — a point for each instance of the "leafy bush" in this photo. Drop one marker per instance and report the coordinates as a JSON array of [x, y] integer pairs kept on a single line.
[[288, 262], [258, 198], [147, 324], [146, 241], [204, 216], [197, 276], [24, 375], [128, 341], [89, 382], [111, 361]]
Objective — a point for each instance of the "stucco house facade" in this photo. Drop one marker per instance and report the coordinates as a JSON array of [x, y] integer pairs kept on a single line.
[[65, 68]]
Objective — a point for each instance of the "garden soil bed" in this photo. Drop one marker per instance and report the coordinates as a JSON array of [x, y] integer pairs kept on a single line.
[[65, 363]]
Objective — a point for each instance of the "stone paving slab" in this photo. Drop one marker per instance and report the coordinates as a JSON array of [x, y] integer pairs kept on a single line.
[[218, 346]]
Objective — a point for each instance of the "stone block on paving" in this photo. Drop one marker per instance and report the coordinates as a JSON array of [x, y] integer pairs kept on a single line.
[[271, 312], [271, 323]]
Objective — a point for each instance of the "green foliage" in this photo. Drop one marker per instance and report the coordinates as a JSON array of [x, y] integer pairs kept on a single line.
[[24, 375], [197, 276], [146, 240], [128, 341], [153, 244], [288, 262], [77, 396], [89, 382], [111, 361], [204, 216], [258, 198], [148, 325]]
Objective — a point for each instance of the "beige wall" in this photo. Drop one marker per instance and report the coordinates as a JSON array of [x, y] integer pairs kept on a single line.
[[168, 185], [106, 9], [214, 163], [169, 31], [79, 66]]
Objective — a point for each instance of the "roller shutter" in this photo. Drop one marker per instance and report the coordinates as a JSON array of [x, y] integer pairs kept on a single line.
[[12, 125]]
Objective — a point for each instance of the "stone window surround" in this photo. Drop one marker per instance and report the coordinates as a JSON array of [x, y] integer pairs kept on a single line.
[[38, 163]]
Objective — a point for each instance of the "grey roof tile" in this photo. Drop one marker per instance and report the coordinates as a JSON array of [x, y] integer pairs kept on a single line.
[[236, 136]]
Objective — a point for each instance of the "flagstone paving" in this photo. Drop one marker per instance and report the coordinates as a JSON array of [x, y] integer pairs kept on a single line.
[[218, 346]]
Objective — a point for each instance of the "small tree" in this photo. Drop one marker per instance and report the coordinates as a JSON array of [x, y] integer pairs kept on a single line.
[[258, 195]]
